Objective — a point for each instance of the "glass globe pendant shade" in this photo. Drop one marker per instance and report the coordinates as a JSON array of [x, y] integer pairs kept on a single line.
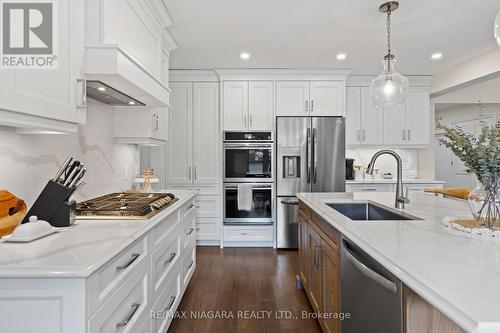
[[497, 28], [390, 87]]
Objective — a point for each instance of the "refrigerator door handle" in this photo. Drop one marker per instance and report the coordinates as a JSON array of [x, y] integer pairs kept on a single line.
[[308, 160], [315, 155]]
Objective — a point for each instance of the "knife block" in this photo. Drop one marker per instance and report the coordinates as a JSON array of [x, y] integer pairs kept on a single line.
[[52, 205]]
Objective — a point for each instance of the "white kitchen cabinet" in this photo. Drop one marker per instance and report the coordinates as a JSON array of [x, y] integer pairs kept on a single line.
[[57, 93], [235, 105], [248, 105], [310, 98], [292, 98], [180, 143], [410, 123], [369, 188], [364, 122], [194, 145], [139, 125], [261, 105]]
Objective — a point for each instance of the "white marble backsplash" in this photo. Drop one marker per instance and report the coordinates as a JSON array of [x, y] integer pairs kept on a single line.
[[386, 163], [27, 162]]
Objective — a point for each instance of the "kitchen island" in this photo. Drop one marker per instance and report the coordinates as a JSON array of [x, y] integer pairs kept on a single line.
[[456, 274], [101, 275]]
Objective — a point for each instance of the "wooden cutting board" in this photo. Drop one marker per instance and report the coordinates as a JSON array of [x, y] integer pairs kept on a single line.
[[12, 211], [455, 192]]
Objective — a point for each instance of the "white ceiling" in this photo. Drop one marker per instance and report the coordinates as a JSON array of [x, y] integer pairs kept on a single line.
[[309, 33]]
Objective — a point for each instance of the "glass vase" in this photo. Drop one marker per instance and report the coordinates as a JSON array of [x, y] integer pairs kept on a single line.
[[484, 202]]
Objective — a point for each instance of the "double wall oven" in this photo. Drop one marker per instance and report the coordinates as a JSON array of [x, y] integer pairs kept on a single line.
[[248, 159]]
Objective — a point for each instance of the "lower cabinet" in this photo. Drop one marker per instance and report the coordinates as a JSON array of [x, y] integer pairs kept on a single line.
[[319, 256]]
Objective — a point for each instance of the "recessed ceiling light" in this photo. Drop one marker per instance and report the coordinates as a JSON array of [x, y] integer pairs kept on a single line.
[[131, 103], [101, 88], [341, 56], [245, 55], [436, 56]]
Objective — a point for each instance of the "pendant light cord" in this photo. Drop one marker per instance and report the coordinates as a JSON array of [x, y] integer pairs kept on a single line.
[[389, 55]]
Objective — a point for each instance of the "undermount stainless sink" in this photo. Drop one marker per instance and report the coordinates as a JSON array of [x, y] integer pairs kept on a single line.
[[366, 211]]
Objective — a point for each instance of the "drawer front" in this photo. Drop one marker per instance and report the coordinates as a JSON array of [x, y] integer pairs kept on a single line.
[[207, 228], [164, 308], [369, 188], [202, 189], [188, 263], [105, 282], [163, 229], [254, 233], [208, 206], [189, 208], [164, 261], [127, 309], [146, 326]]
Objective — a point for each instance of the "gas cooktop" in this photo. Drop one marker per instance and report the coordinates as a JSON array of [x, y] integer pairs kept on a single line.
[[125, 205]]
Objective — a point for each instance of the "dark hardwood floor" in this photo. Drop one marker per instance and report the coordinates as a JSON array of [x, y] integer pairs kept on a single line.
[[258, 280]]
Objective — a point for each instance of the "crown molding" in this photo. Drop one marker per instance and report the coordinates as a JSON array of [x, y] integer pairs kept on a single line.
[[365, 80], [186, 75], [283, 74]]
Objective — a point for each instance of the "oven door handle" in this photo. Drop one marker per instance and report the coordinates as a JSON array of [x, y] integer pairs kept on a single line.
[[248, 145], [290, 202], [253, 188]]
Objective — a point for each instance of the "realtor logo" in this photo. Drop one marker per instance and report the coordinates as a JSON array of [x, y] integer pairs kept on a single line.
[[28, 34]]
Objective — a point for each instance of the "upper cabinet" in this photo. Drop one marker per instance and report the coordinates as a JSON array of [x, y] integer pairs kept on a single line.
[[406, 125], [50, 99], [248, 105], [310, 98]]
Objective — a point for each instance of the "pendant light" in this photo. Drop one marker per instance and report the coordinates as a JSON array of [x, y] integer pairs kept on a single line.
[[390, 87], [497, 28]]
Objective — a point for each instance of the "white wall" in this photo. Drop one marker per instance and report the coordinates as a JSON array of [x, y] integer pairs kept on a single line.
[[465, 111], [27, 162]]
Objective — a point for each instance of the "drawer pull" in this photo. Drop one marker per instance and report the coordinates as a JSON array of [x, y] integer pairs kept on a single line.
[[190, 265], [131, 313], [169, 260], [190, 231], [170, 304], [197, 229], [128, 263], [368, 189], [190, 206]]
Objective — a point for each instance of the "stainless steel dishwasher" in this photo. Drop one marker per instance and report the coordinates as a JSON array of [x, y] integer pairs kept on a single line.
[[370, 293]]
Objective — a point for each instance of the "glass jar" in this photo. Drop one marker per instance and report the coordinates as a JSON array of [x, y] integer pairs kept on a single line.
[[484, 203]]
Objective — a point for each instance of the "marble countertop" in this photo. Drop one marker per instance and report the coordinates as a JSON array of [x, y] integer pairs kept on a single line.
[[81, 249], [457, 274], [393, 181]]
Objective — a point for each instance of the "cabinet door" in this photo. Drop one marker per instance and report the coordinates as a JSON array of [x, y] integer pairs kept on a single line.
[[260, 105], [326, 98], [394, 125], [315, 272], [353, 112], [292, 98], [179, 168], [371, 121], [303, 258], [52, 93], [235, 105], [331, 286], [160, 123], [206, 161], [418, 116]]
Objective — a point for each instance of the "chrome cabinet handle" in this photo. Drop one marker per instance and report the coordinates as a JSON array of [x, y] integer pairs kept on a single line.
[[372, 275], [368, 189], [191, 205], [190, 231], [409, 136], [189, 172], [194, 172], [312, 105], [251, 121], [131, 313], [171, 303], [307, 105], [129, 262], [358, 136], [190, 265], [157, 122], [169, 260], [308, 158], [245, 120], [364, 135], [81, 93], [315, 155], [404, 135]]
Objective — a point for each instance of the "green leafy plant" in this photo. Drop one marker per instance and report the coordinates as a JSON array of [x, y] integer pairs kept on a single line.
[[481, 155]]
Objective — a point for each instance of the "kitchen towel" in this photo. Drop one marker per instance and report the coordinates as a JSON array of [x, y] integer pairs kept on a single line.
[[245, 197]]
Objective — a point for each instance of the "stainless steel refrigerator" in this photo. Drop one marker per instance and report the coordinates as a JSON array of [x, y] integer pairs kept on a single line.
[[310, 157]]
